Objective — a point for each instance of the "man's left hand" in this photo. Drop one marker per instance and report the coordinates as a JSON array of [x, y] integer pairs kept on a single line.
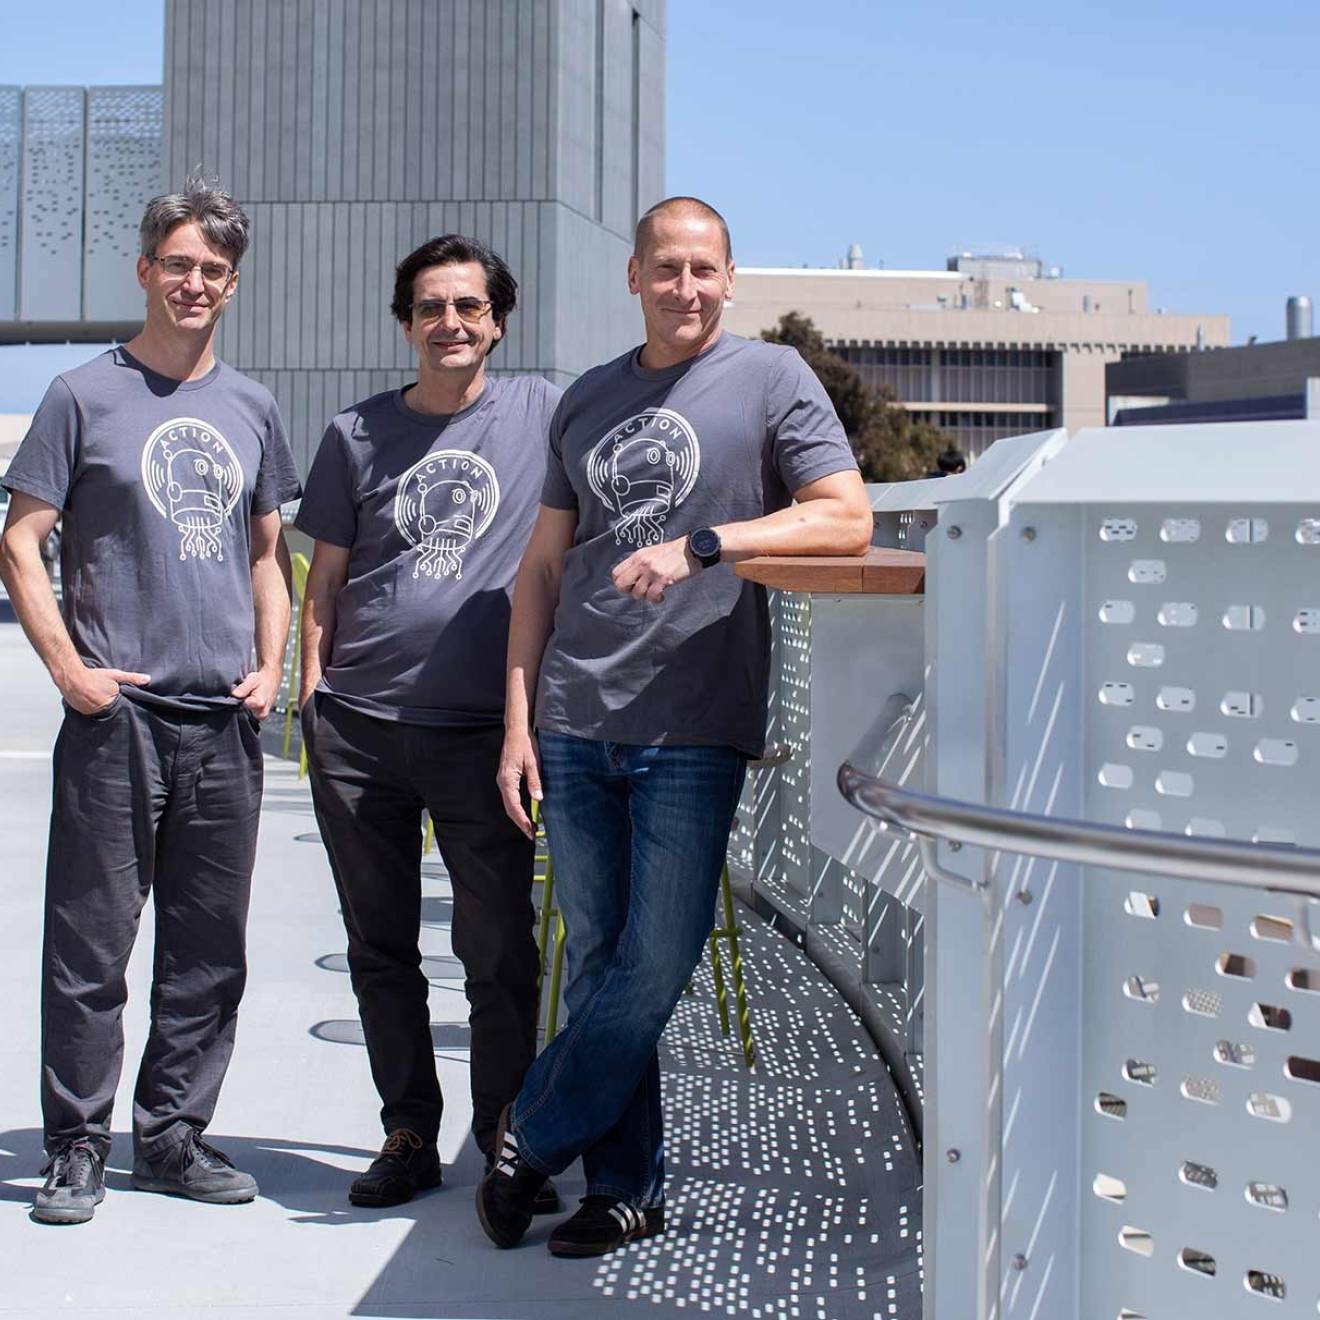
[[258, 691], [647, 573]]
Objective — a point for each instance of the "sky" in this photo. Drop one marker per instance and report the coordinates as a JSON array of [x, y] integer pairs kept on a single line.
[[1172, 140]]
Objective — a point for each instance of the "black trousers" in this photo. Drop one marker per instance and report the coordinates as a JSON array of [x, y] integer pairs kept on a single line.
[[370, 780], [146, 801]]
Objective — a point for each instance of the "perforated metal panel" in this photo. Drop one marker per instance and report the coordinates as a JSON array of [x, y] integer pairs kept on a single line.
[[1204, 638], [50, 269], [10, 130], [1201, 1088], [123, 172], [1201, 1033], [784, 793]]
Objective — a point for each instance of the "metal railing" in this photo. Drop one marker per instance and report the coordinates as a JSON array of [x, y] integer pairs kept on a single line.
[[930, 818]]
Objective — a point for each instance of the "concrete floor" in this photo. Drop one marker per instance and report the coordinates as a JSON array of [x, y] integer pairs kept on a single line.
[[793, 1192]]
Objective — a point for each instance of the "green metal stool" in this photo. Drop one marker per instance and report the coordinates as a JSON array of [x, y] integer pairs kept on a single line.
[[728, 931]]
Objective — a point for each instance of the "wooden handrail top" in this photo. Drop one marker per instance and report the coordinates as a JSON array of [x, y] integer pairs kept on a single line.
[[879, 572]]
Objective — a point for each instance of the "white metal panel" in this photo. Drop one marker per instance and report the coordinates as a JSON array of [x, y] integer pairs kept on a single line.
[[1214, 463], [863, 649], [1037, 727]]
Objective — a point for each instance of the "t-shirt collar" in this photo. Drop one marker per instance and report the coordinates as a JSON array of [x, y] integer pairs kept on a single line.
[[168, 383], [678, 369], [442, 419]]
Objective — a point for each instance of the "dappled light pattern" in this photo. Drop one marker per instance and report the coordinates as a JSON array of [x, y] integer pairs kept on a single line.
[[794, 1189]]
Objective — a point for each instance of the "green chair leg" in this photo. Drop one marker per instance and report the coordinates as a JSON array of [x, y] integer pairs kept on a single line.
[[739, 983], [428, 839], [556, 978], [717, 970], [547, 911]]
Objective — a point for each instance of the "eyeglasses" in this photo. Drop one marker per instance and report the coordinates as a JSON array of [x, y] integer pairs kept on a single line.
[[179, 268], [470, 310]]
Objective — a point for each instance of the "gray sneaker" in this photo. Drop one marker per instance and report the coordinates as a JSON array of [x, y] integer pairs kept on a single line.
[[196, 1170], [75, 1185]]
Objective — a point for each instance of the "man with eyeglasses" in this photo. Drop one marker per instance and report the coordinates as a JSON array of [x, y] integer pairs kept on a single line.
[[169, 468], [420, 501]]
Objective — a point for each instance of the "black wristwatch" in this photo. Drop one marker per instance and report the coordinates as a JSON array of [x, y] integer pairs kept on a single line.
[[705, 546]]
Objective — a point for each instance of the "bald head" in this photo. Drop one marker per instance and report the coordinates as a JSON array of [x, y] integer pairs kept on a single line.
[[685, 208]]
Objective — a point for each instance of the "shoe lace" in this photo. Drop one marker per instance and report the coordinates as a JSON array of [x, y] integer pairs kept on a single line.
[[207, 1156], [72, 1163], [401, 1141]]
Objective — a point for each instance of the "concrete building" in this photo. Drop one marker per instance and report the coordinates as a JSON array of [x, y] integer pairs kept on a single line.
[[1251, 383], [993, 346], [351, 130]]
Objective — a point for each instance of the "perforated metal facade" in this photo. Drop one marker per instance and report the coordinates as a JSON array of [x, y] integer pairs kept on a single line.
[[10, 139], [76, 167], [51, 202], [123, 171]]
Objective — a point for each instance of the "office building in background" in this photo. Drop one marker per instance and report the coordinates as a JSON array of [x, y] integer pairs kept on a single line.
[[1250, 383], [994, 345]]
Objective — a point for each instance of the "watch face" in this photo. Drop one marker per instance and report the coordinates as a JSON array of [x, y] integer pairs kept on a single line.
[[704, 543]]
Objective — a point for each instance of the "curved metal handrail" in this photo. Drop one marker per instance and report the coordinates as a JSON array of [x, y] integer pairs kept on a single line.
[[1220, 861]]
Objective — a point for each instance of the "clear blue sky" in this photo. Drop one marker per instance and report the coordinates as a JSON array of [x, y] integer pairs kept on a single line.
[[1173, 142]]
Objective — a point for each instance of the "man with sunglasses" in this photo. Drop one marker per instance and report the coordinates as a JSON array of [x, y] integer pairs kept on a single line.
[[169, 468], [420, 501]]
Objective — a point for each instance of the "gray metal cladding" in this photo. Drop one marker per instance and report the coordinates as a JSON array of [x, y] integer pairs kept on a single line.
[[353, 130], [365, 100]]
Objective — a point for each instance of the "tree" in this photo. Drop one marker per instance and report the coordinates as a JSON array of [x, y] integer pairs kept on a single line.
[[890, 444]]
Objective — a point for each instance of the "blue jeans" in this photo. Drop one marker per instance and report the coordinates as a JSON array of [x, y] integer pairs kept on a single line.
[[638, 836]]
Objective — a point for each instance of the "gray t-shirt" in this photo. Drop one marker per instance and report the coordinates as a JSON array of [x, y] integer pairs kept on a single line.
[[645, 456], [436, 511], [158, 480]]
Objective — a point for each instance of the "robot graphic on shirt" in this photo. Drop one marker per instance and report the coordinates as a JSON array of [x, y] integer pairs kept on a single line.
[[442, 505], [642, 470], [192, 477]]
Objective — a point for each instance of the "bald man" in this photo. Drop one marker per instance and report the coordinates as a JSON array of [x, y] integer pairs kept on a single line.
[[637, 685]]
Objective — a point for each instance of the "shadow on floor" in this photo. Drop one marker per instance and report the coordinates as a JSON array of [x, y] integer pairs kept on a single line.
[[793, 1188]]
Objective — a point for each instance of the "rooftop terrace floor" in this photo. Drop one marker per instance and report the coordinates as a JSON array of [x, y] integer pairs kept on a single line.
[[794, 1189]]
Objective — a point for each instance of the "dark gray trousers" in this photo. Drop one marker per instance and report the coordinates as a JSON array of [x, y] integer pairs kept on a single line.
[[146, 801], [370, 780]]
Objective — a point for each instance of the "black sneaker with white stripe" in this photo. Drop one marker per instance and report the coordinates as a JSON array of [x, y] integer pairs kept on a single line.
[[547, 1200], [604, 1223], [507, 1194]]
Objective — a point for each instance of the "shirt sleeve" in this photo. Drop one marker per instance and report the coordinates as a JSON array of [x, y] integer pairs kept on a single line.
[[277, 478], [328, 511], [807, 438], [47, 461], [557, 490]]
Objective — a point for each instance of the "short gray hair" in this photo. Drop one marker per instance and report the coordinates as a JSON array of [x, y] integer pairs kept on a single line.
[[204, 202]]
